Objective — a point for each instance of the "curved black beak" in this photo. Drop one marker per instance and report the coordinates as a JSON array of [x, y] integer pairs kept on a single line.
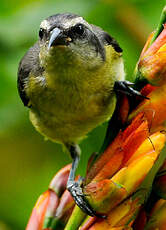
[[57, 38]]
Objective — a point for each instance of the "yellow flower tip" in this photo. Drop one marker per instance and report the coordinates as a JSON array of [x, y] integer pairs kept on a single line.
[[155, 142], [132, 176]]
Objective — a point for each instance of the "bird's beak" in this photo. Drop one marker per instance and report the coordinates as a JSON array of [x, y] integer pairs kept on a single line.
[[57, 38]]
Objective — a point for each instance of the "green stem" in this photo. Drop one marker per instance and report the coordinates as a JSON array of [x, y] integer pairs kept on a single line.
[[76, 219], [160, 25]]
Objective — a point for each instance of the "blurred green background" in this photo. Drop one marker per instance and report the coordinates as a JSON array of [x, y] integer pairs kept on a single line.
[[27, 162]]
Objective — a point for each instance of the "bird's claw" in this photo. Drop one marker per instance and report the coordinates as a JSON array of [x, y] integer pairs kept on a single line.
[[78, 196], [125, 87]]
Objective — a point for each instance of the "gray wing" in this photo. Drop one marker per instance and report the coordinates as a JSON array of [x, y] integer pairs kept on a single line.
[[106, 38], [29, 63]]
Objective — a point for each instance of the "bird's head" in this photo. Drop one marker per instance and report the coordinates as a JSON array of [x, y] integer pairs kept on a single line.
[[69, 39]]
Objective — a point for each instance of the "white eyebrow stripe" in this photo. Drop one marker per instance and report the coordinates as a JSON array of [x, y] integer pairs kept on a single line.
[[75, 21], [66, 24], [44, 24], [72, 22]]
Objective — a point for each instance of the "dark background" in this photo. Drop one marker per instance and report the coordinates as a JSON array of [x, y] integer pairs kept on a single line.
[[27, 162]]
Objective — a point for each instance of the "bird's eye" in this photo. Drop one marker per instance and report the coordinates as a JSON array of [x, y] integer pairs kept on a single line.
[[79, 29], [41, 33]]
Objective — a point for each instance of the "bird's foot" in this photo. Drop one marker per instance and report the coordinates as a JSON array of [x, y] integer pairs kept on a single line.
[[75, 187], [76, 192], [125, 87]]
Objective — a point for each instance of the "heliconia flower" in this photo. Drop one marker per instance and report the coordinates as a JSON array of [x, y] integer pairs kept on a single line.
[[126, 168], [152, 62], [45, 210], [157, 217], [105, 194], [119, 218]]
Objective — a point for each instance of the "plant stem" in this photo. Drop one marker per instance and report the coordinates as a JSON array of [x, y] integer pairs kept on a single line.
[[76, 219]]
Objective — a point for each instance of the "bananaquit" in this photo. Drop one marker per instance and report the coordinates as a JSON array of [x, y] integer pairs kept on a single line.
[[68, 79]]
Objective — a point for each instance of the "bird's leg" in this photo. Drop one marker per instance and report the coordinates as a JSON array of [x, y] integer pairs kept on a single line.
[[74, 187], [125, 87]]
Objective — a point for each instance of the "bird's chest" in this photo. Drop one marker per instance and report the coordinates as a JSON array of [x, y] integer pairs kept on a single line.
[[67, 101]]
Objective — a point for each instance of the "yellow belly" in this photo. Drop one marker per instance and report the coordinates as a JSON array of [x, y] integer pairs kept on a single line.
[[64, 126]]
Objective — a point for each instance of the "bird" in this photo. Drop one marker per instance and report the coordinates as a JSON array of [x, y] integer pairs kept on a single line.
[[69, 79]]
